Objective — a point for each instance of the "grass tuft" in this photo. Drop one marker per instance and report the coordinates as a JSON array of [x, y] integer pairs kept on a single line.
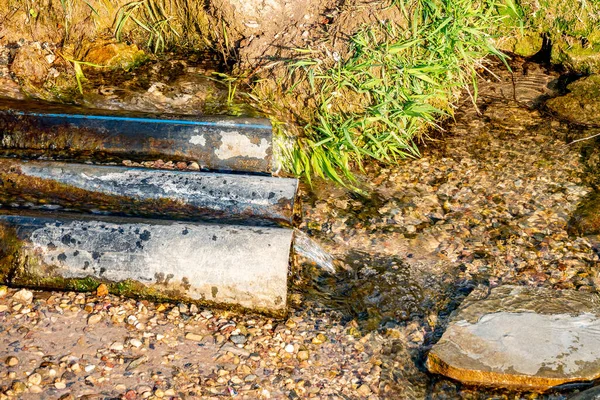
[[391, 88]]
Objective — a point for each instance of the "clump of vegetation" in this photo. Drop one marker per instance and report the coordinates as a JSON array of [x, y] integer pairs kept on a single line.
[[397, 80], [572, 28]]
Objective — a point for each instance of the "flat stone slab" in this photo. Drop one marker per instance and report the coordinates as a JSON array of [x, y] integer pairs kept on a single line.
[[32, 129], [230, 264], [521, 337], [144, 192]]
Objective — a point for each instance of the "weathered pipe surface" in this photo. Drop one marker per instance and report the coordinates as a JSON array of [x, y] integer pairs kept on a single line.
[[228, 264], [200, 196], [74, 133]]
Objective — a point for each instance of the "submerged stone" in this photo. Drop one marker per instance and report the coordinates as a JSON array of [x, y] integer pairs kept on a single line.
[[521, 337], [582, 104], [586, 219]]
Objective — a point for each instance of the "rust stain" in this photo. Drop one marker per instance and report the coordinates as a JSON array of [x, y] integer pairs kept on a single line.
[[489, 378]]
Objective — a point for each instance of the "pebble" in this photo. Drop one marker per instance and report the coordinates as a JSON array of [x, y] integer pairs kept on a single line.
[[289, 348], [94, 319], [11, 361], [35, 389], [194, 336], [238, 339], [363, 390], [60, 385], [303, 355], [116, 346], [135, 343], [137, 362], [18, 387], [102, 290], [34, 379], [3, 291], [23, 296]]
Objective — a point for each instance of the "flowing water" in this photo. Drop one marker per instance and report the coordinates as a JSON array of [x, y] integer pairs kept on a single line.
[[489, 203]]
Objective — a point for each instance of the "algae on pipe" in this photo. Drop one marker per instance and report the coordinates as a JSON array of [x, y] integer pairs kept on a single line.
[[143, 192], [227, 264]]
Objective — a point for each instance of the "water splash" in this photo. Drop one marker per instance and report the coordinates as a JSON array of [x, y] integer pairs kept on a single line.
[[308, 248]]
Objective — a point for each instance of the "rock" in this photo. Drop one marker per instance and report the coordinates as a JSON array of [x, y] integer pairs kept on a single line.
[[521, 337], [582, 104], [194, 336], [319, 339], [116, 346], [35, 378], [23, 296], [238, 339], [101, 290], [11, 361], [60, 385], [303, 355], [586, 219], [18, 387], [137, 362], [289, 348], [115, 55], [3, 291], [30, 64], [363, 390], [94, 319]]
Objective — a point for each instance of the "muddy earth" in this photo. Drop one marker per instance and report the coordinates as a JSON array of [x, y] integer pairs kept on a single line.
[[489, 202]]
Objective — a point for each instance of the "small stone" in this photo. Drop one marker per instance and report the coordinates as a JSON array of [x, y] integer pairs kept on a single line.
[[135, 343], [303, 355], [101, 290], [194, 336], [35, 389], [238, 339], [11, 361], [3, 307], [89, 368], [181, 165], [137, 362], [94, 319], [35, 379], [319, 339], [23, 296], [18, 387], [250, 378], [60, 385], [116, 346], [289, 348], [363, 390], [3, 291], [194, 166]]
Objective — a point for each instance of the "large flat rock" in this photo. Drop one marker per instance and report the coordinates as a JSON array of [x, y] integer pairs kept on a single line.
[[230, 264], [521, 337]]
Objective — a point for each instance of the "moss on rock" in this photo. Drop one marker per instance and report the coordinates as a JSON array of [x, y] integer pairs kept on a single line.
[[582, 104]]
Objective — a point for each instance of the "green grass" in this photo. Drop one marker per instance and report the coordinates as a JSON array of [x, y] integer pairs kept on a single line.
[[395, 84]]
